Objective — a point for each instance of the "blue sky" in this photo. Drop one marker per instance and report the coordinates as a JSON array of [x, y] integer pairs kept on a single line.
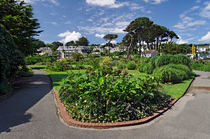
[[66, 20]]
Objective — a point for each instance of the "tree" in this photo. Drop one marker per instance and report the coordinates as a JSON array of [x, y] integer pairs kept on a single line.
[[82, 42], [36, 44], [71, 43], [144, 31], [11, 59], [55, 46], [17, 17], [109, 38]]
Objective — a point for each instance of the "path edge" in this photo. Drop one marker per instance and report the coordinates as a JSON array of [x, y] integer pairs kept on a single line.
[[66, 119]]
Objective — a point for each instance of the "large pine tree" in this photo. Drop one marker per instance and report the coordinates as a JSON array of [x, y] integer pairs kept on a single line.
[[17, 17]]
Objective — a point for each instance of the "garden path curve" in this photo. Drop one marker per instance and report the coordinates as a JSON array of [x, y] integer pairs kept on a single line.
[[31, 113]]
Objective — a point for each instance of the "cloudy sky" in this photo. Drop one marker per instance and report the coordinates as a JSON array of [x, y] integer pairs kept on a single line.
[[66, 20]]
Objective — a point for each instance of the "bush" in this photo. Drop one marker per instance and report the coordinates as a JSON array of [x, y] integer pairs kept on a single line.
[[105, 95], [33, 60], [106, 62], [39, 59], [10, 60], [59, 66], [172, 59], [131, 66], [77, 56], [172, 73], [201, 67]]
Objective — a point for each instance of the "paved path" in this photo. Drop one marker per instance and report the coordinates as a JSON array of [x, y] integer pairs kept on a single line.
[[31, 114]]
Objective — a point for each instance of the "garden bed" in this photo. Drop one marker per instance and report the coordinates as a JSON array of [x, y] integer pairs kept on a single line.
[[65, 116]]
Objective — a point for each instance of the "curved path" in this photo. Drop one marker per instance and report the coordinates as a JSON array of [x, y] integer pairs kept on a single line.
[[31, 113]]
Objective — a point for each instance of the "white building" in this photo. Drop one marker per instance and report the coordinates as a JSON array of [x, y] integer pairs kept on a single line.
[[66, 51], [202, 48], [150, 53], [44, 50]]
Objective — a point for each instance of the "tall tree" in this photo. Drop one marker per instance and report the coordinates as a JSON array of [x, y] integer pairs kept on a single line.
[[17, 17], [36, 44], [83, 41], [55, 45], [109, 38], [70, 43]]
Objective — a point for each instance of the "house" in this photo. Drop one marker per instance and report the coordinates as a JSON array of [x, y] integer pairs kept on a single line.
[[44, 50], [67, 51], [115, 49], [202, 48], [150, 53], [97, 50]]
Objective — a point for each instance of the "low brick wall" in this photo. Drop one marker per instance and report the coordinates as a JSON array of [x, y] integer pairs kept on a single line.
[[65, 116]]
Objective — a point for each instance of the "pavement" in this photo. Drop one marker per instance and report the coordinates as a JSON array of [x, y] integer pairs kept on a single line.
[[31, 114]]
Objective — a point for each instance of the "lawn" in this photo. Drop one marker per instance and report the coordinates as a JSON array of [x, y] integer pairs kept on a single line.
[[174, 90]]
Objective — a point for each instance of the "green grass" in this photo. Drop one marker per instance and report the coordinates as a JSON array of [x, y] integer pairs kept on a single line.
[[174, 90], [58, 76], [37, 66]]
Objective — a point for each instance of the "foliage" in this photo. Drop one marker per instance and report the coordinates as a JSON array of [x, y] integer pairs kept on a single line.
[[83, 41], [105, 95], [17, 17], [106, 62], [31, 60], [173, 48], [201, 66], [71, 43], [173, 73], [131, 66], [109, 38], [142, 30], [54, 46], [10, 60], [77, 56], [172, 59]]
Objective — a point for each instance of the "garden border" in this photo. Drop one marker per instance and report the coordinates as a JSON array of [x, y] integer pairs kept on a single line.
[[63, 114]]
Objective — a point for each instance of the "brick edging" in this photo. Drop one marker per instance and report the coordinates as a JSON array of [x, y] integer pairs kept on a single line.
[[65, 116]]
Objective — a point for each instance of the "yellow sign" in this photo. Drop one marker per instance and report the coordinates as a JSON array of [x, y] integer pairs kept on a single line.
[[193, 49]]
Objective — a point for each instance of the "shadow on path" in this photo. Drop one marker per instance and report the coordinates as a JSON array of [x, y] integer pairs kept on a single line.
[[28, 92]]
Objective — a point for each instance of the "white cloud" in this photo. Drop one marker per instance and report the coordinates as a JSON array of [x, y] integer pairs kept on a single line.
[[154, 1], [67, 22], [112, 24], [106, 3], [54, 23], [69, 36], [187, 22], [206, 38], [51, 1], [101, 29], [181, 41], [113, 41], [99, 35], [205, 12]]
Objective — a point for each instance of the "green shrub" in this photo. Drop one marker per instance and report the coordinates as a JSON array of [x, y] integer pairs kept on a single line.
[[172, 73], [31, 60], [77, 56], [172, 59], [201, 67], [104, 95], [106, 62], [10, 60], [59, 66], [131, 66]]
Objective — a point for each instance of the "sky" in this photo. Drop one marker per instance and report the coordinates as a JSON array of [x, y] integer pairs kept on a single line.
[[66, 20]]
